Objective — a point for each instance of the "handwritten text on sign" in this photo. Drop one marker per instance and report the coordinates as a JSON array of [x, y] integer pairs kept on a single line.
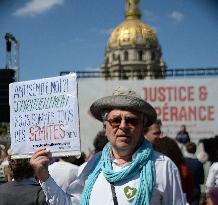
[[45, 113]]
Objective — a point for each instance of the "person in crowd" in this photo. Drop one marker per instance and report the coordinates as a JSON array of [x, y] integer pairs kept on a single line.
[[23, 189], [63, 172], [2, 148], [2, 168], [153, 132], [212, 178], [213, 196], [182, 136], [197, 170], [170, 148], [202, 154], [210, 146], [5, 155], [99, 142], [127, 171], [77, 160]]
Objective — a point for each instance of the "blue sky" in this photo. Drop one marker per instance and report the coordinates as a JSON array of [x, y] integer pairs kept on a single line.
[[59, 35]]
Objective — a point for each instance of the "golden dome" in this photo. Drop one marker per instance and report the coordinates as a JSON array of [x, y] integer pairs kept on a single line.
[[132, 31]]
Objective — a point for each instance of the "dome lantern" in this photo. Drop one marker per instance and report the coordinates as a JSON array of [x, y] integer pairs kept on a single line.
[[132, 10]]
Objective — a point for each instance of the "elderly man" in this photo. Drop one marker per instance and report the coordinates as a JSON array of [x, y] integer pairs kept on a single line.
[[127, 171]]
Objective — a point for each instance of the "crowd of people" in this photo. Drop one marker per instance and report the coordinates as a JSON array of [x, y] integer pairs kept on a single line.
[[132, 163]]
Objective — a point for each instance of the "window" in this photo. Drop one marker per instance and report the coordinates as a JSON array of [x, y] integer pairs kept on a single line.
[[140, 55], [140, 75], [126, 56], [153, 56]]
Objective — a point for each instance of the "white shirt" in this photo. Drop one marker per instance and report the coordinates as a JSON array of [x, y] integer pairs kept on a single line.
[[64, 173], [167, 190], [212, 178], [81, 167]]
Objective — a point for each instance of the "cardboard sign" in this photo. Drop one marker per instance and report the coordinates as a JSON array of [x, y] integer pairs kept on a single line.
[[44, 113]]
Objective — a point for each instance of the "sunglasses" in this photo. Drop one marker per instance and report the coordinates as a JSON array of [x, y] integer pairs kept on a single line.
[[130, 122]]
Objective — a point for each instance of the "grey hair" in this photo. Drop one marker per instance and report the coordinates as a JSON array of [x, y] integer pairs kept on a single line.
[[104, 117]]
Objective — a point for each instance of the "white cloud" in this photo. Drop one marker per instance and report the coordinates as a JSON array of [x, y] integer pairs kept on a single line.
[[176, 16], [35, 7]]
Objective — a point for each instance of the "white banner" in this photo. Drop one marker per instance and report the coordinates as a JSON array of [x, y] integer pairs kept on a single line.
[[44, 113], [192, 102]]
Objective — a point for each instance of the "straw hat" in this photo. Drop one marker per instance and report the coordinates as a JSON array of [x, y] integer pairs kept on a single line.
[[125, 99]]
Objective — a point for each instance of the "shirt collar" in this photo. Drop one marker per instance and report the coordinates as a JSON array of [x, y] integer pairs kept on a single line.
[[115, 161], [30, 181], [190, 155]]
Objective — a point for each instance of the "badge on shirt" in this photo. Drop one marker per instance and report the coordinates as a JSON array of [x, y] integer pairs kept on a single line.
[[129, 192]]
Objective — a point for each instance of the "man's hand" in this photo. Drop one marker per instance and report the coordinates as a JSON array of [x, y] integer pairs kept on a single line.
[[40, 161]]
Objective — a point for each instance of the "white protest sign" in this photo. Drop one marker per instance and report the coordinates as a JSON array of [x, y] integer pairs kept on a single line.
[[44, 113]]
